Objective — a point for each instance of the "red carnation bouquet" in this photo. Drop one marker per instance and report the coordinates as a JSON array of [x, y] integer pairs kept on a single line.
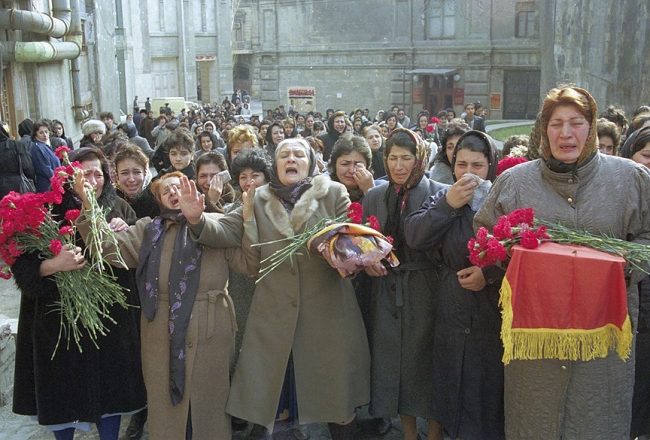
[[523, 228], [27, 225], [348, 244]]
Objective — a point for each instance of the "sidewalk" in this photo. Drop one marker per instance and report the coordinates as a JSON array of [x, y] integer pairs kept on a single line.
[[17, 427]]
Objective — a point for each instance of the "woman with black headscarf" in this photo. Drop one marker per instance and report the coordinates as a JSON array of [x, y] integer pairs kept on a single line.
[[441, 170], [274, 135], [467, 368], [637, 148], [402, 305]]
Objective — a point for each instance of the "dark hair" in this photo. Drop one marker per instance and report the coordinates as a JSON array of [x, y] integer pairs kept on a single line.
[[112, 143], [109, 115], [478, 142], [179, 138], [130, 151], [346, 145], [252, 158], [211, 157], [92, 153], [38, 124], [400, 139], [609, 128], [388, 115], [453, 129], [55, 122], [639, 120], [318, 125], [641, 109], [269, 129], [615, 115]]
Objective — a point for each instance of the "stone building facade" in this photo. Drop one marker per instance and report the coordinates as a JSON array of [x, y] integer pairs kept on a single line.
[[155, 48], [436, 54]]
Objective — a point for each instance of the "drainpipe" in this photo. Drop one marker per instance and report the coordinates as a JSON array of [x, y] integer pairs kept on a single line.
[[183, 53], [76, 36]]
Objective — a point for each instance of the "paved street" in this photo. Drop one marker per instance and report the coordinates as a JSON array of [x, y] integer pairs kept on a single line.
[[15, 427]]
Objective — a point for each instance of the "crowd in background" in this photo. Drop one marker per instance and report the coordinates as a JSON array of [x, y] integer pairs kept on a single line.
[[420, 340]]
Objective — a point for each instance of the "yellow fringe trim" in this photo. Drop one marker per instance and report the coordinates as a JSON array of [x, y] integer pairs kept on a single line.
[[571, 344]]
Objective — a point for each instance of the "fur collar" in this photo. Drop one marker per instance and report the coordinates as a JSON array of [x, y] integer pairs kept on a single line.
[[304, 209]]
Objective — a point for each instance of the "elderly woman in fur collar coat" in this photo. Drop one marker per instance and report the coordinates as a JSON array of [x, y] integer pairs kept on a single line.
[[305, 350]]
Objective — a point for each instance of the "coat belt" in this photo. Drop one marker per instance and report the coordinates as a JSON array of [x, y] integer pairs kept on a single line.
[[213, 297]]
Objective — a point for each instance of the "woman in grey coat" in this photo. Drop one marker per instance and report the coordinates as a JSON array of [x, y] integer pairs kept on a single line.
[[402, 303], [572, 183]]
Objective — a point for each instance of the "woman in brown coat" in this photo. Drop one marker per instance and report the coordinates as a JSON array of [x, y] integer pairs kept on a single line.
[[305, 344], [188, 321]]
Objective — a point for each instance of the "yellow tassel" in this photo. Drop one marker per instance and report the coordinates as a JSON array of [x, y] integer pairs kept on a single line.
[[505, 301], [569, 344]]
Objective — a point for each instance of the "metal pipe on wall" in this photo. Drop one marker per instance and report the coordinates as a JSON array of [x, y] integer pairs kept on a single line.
[[36, 22]]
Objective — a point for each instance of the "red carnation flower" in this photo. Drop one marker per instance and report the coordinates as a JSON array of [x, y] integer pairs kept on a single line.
[[503, 228], [66, 230], [529, 239], [62, 152], [481, 237], [522, 216], [374, 223], [435, 120], [541, 233], [429, 128], [5, 273], [495, 251], [56, 246], [355, 212], [72, 215], [509, 162]]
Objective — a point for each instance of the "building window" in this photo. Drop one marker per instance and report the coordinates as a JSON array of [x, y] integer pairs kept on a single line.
[[440, 19], [525, 20]]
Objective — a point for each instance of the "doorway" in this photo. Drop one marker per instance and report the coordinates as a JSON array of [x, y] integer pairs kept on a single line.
[[439, 93]]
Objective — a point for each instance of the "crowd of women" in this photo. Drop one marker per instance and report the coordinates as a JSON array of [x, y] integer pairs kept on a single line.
[[420, 340]]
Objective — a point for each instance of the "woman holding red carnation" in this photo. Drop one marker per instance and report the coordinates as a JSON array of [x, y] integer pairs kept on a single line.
[[573, 184], [467, 368], [304, 355], [402, 303], [74, 389]]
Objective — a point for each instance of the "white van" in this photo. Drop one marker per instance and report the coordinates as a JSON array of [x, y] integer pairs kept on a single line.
[[176, 103]]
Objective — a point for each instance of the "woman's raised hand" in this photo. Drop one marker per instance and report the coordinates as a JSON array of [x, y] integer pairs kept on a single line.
[[364, 178], [118, 225], [216, 188], [80, 183], [461, 192], [248, 197], [192, 202]]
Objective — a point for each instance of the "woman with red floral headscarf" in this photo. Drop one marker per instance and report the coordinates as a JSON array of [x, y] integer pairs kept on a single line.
[[402, 305]]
